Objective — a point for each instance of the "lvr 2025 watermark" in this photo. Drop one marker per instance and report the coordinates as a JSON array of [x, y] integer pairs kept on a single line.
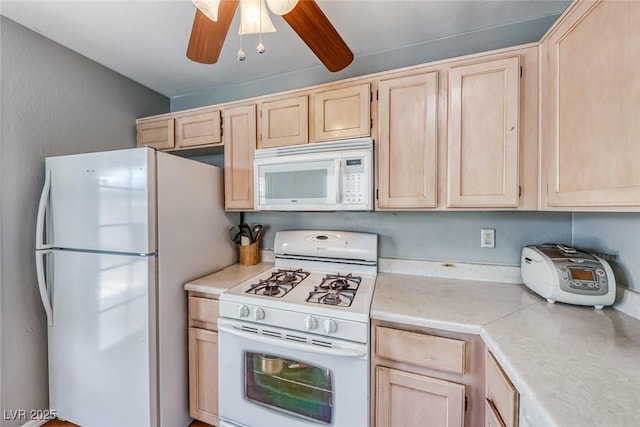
[[28, 414]]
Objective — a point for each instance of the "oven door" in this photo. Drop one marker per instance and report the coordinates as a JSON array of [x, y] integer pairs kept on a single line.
[[275, 377]]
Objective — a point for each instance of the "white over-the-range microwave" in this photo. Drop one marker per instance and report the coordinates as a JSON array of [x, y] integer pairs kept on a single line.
[[326, 176]]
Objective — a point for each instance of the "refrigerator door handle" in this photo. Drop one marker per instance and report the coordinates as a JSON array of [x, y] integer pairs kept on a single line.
[[42, 209], [42, 284]]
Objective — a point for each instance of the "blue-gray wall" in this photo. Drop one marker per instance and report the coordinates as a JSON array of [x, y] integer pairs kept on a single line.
[[434, 236], [53, 102], [455, 236], [419, 53], [616, 234]]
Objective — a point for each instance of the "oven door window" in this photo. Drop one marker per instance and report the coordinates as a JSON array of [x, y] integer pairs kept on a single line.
[[289, 386]]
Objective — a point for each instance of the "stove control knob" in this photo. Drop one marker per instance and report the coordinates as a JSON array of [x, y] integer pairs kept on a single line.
[[258, 314], [310, 323], [243, 311], [330, 326]]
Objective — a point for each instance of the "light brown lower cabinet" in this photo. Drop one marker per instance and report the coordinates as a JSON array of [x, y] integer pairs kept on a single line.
[[203, 375], [491, 416], [426, 377], [502, 398], [406, 399], [203, 358]]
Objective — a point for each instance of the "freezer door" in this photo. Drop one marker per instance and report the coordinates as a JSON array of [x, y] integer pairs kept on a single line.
[[101, 345], [103, 201]]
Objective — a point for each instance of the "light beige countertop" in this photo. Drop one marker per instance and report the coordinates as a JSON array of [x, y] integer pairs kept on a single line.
[[220, 281], [444, 303], [573, 366]]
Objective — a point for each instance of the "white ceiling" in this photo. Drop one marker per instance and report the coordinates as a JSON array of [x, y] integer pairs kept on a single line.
[[147, 40]]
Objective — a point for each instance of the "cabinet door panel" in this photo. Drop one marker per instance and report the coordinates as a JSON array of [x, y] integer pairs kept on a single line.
[[156, 133], [590, 101], [492, 418], [342, 113], [483, 157], [239, 146], [500, 392], [406, 399], [198, 129], [203, 375], [284, 122], [407, 146]]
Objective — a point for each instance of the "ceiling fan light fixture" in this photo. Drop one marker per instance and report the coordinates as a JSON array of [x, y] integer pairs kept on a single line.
[[208, 7], [281, 7], [254, 18]]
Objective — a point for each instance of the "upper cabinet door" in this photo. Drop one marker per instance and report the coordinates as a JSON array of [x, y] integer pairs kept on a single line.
[[482, 160], [407, 145], [156, 133], [239, 146], [284, 122], [343, 112], [590, 105], [198, 129]]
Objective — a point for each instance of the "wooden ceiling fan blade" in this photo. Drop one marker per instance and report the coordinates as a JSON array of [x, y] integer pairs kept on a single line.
[[207, 36], [313, 27]]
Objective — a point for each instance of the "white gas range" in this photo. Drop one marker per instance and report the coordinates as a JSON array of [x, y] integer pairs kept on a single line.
[[298, 334]]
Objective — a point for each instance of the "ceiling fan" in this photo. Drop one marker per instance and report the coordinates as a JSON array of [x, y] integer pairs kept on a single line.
[[212, 22]]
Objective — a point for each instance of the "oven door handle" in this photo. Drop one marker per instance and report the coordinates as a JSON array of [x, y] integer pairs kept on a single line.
[[292, 345]]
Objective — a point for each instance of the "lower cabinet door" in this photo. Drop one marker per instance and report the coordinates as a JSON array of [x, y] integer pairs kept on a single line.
[[491, 415], [406, 399], [203, 375]]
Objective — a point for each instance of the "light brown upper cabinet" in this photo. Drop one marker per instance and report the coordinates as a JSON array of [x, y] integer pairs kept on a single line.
[[155, 132], [284, 121], [342, 111], [590, 97], [190, 129], [483, 134], [407, 141], [203, 128], [239, 145]]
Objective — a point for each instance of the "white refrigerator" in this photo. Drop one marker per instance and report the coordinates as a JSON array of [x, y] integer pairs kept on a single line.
[[118, 235]]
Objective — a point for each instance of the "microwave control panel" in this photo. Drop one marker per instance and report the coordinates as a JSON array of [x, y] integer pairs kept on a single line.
[[354, 185]]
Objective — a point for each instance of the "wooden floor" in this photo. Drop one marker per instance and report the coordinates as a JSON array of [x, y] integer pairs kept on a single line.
[[58, 423]]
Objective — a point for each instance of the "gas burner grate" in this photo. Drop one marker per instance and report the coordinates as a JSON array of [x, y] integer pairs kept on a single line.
[[335, 289], [279, 283]]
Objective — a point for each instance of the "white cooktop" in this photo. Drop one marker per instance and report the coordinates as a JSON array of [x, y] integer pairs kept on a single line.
[[317, 253], [296, 299]]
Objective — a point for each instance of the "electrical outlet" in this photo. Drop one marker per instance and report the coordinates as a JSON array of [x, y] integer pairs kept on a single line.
[[487, 238]]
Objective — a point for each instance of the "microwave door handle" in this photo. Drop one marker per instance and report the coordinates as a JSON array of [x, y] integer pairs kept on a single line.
[[292, 345], [338, 181]]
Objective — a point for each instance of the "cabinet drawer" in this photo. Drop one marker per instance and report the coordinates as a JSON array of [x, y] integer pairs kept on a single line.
[[204, 309], [501, 393], [429, 351]]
